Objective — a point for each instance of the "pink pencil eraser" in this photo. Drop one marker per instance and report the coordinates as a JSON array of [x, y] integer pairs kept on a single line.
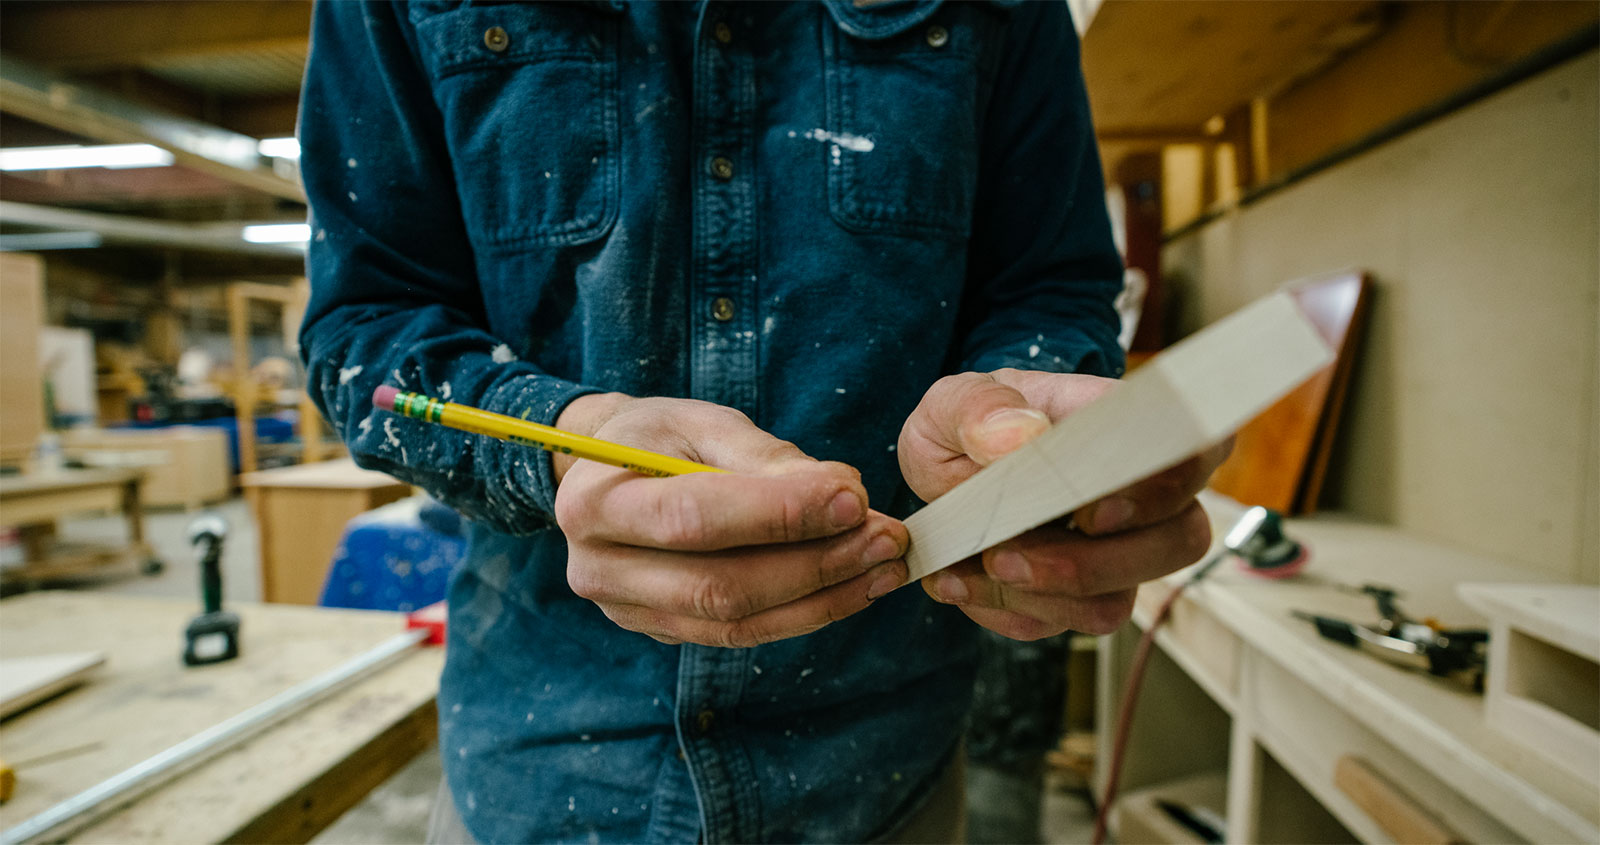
[[384, 396]]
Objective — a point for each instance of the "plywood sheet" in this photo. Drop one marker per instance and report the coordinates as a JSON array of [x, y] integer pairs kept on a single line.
[[1281, 456], [25, 681]]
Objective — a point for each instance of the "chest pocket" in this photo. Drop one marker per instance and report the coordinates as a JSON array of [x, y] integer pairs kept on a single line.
[[528, 94], [905, 100]]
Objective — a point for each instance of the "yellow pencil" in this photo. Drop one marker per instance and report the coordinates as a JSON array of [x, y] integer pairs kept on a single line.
[[467, 418]]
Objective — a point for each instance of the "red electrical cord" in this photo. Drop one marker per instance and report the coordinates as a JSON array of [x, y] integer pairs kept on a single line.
[[1130, 695]]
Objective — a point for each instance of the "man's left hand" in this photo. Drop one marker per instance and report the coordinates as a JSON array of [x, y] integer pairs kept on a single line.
[[1079, 573]]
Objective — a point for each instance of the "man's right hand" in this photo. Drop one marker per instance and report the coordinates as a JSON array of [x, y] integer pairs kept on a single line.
[[779, 546]]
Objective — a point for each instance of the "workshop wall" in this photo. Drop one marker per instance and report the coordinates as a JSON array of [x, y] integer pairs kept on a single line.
[[1475, 411]]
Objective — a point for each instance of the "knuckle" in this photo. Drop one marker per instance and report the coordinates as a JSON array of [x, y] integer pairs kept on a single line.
[[571, 513], [678, 521], [790, 518], [736, 634], [583, 581], [1028, 629], [1106, 614], [1196, 529], [1076, 578], [717, 599]]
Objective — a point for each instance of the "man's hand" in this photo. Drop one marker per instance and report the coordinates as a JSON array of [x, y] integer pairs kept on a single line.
[[778, 547], [1081, 573]]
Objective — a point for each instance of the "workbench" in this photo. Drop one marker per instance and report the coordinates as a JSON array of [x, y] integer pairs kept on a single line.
[[282, 785], [33, 503], [1242, 700]]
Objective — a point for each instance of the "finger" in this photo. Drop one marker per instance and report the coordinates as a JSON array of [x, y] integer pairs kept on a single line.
[[729, 585], [709, 511], [1153, 499], [1008, 611], [796, 618], [1057, 394], [1054, 559], [963, 423], [1098, 616]]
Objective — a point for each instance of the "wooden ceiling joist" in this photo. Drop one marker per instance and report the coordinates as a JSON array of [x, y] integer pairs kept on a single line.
[[124, 229], [133, 34], [43, 97]]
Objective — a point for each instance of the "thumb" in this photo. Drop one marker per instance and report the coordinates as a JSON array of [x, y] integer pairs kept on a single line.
[[1002, 430], [964, 423]]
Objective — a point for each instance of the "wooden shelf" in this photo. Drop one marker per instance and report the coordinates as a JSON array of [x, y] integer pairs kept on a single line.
[[1298, 703]]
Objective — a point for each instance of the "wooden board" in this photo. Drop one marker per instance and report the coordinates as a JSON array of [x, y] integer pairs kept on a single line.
[[21, 315], [279, 786], [1281, 457], [1190, 397], [27, 680]]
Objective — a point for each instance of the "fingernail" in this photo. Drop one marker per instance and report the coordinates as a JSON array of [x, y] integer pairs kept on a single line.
[[884, 584], [846, 509], [882, 548], [1005, 430], [1012, 568], [950, 588], [1112, 515]]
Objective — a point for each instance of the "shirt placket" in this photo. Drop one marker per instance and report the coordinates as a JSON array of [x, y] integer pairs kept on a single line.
[[722, 370]]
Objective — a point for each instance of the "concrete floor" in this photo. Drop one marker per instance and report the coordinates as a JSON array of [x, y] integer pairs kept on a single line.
[[397, 811]]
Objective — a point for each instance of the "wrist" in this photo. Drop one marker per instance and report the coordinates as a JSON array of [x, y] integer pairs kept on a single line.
[[584, 415]]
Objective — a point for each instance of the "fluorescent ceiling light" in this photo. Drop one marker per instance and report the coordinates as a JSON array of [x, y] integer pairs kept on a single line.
[[277, 233], [39, 241], [77, 155], [279, 147]]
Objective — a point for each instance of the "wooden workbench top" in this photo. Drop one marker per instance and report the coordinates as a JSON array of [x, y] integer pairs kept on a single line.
[[284, 784], [341, 474], [66, 479]]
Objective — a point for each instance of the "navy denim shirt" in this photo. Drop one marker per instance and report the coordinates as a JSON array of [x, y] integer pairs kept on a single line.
[[809, 212]]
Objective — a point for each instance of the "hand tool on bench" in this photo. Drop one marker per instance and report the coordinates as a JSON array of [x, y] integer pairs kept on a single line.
[[213, 636]]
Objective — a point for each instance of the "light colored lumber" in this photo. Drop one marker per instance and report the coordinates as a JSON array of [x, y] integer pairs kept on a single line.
[[27, 680], [1186, 399], [1544, 669], [1396, 812], [280, 786]]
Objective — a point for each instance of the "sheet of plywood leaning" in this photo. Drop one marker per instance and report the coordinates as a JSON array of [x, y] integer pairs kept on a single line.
[[1281, 456], [1189, 397]]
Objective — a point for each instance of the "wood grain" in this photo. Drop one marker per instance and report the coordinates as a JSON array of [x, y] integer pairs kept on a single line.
[[1190, 397], [280, 785], [1391, 807]]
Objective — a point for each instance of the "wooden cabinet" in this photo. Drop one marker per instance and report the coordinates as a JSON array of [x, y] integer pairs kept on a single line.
[[21, 385], [301, 513], [184, 466], [1315, 741]]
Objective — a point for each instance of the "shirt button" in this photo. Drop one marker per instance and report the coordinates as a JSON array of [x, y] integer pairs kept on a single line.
[[723, 32], [722, 168], [703, 721], [938, 36], [722, 311], [496, 39]]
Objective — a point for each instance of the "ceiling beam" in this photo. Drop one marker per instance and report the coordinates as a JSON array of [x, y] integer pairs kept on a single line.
[[44, 98], [91, 36], [117, 228]]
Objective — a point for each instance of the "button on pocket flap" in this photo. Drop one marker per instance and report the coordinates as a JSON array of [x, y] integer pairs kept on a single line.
[[875, 19], [485, 36]]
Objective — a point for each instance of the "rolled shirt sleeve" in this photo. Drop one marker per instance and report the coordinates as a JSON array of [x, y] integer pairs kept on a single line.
[[395, 297]]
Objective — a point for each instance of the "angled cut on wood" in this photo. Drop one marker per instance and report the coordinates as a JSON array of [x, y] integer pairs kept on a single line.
[[1186, 399]]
